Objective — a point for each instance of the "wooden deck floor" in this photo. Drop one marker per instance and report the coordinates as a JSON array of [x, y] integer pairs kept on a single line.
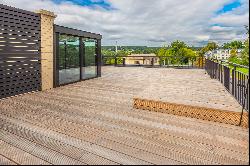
[[93, 122]]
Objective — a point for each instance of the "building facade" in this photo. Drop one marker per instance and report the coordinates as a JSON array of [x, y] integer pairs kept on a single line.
[[36, 54], [142, 59], [221, 54]]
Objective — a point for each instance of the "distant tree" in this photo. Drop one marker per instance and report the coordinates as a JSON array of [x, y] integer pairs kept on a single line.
[[177, 51], [108, 56], [245, 52], [233, 57], [234, 45], [169, 52], [162, 51], [176, 46], [211, 46], [161, 54], [137, 51], [233, 52], [243, 59], [122, 53], [189, 52]]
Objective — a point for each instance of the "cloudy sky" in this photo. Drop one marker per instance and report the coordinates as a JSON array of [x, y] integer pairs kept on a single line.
[[149, 22]]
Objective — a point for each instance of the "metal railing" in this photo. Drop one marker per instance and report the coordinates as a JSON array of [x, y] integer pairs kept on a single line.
[[154, 61], [235, 81]]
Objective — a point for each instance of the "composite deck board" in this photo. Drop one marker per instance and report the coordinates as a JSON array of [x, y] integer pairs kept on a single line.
[[116, 145], [55, 144], [53, 125], [41, 117], [93, 122], [55, 105], [196, 151], [95, 149], [5, 161], [46, 154], [85, 121], [17, 155]]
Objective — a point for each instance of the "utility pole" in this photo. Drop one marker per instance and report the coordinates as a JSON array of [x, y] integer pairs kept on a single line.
[[115, 53]]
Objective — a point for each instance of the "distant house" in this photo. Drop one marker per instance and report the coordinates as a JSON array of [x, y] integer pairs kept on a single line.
[[221, 54], [142, 59]]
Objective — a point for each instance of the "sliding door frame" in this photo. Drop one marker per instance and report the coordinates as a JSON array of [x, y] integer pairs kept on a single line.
[[60, 30]]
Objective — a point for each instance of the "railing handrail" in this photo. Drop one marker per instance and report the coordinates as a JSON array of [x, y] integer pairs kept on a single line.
[[236, 82], [238, 65], [150, 56], [234, 64]]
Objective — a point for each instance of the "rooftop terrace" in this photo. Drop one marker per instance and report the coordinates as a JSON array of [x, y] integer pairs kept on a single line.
[[94, 122]]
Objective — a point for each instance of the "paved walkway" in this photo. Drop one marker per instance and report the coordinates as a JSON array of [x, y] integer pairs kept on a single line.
[[93, 122]]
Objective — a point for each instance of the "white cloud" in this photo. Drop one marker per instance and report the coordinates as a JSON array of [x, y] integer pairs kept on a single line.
[[203, 37], [150, 22], [232, 19]]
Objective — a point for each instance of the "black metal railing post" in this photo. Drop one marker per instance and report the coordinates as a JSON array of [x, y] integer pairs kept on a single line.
[[124, 62], [115, 61], [237, 85], [102, 57], [202, 62], [226, 77], [233, 80]]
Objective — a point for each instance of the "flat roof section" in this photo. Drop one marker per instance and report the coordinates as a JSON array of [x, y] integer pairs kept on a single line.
[[94, 122], [76, 32]]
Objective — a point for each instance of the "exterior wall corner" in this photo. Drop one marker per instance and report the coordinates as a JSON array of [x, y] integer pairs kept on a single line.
[[47, 48]]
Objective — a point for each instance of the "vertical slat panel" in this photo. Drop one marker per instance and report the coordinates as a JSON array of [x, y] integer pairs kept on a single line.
[[19, 51]]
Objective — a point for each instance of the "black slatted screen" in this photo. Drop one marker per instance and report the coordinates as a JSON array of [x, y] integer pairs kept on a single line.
[[20, 63]]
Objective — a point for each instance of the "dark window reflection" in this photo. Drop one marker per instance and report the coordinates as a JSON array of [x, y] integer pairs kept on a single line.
[[89, 69], [69, 61]]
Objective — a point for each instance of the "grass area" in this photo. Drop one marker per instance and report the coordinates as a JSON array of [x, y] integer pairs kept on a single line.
[[240, 69], [244, 70]]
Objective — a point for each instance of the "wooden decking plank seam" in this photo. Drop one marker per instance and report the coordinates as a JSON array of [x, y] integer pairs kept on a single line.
[[26, 151], [9, 128], [32, 152], [97, 145], [41, 93], [53, 103], [206, 155], [9, 159], [38, 139], [113, 119], [52, 96], [114, 149]]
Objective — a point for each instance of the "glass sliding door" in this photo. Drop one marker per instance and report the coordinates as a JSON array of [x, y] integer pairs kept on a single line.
[[89, 69], [69, 60]]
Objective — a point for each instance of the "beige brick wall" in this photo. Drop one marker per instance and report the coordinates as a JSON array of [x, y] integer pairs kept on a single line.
[[47, 22]]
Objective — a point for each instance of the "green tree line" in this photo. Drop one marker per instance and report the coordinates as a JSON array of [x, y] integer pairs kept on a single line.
[[242, 58]]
